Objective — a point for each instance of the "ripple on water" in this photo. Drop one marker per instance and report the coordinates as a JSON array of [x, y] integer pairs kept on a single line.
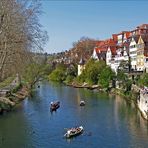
[[108, 121]]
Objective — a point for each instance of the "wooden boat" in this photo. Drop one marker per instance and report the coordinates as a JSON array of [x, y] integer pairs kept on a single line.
[[74, 132], [82, 103], [54, 105]]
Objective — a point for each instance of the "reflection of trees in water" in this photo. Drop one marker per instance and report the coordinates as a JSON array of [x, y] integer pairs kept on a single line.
[[126, 110], [90, 94]]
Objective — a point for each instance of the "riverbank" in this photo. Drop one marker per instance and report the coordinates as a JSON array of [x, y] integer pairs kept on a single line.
[[12, 97], [133, 96], [85, 85]]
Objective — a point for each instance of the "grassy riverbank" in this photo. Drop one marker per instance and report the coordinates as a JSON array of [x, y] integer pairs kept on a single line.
[[12, 97]]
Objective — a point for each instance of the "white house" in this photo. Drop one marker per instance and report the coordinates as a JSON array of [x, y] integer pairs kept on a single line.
[[117, 59], [133, 52], [95, 55]]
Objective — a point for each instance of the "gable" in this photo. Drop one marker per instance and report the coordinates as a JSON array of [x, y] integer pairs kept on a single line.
[[140, 41], [133, 42]]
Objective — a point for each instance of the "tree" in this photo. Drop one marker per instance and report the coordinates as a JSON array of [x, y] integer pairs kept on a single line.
[[123, 79], [106, 76], [59, 74], [33, 73], [81, 48], [20, 35], [92, 71], [143, 81]]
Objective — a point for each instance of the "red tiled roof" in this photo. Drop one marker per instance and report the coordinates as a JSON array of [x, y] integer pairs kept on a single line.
[[102, 46], [128, 34], [113, 50], [100, 49], [115, 38]]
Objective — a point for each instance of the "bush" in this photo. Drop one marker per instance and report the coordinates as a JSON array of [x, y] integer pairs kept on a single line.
[[106, 76], [69, 79], [59, 74], [143, 81], [92, 69]]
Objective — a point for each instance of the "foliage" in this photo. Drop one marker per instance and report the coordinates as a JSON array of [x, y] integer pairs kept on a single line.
[[20, 35], [121, 76], [106, 76], [72, 70], [69, 79], [33, 73], [91, 73], [64, 73], [6, 82], [59, 74], [143, 81], [123, 79], [128, 84]]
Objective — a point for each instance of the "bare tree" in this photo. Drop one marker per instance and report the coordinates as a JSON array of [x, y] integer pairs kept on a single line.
[[20, 34]]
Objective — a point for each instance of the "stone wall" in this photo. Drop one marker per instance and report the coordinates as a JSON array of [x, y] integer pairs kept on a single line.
[[143, 103]]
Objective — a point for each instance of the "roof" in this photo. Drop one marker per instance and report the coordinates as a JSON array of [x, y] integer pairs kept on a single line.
[[128, 34], [113, 50], [136, 38], [102, 46], [102, 55], [145, 38], [82, 62], [143, 26]]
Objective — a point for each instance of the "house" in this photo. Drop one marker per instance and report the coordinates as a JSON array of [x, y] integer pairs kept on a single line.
[[124, 46], [101, 48], [133, 51], [110, 54], [95, 54], [81, 66], [142, 53], [142, 29], [121, 37], [121, 53]]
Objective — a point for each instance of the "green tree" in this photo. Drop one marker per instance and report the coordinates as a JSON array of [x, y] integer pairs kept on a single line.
[[106, 76], [143, 81], [92, 71], [33, 73], [59, 74]]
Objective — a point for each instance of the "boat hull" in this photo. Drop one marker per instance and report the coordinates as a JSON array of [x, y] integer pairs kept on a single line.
[[71, 135], [54, 106]]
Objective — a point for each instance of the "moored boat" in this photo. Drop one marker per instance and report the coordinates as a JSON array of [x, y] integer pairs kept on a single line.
[[54, 105], [74, 132], [82, 103]]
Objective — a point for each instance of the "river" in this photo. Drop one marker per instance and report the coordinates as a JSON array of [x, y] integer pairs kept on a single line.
[[108, 121]]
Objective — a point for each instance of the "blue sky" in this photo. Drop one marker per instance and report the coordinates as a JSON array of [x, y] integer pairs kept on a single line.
[[68, 21]]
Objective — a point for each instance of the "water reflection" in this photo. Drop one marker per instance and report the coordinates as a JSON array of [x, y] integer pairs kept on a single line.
[[108, 121]]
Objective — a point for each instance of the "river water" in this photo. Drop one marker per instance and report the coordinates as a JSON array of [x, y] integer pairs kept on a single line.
[[108, 121]]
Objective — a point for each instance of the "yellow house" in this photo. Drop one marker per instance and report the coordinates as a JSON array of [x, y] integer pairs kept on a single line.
[[140, 53]]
